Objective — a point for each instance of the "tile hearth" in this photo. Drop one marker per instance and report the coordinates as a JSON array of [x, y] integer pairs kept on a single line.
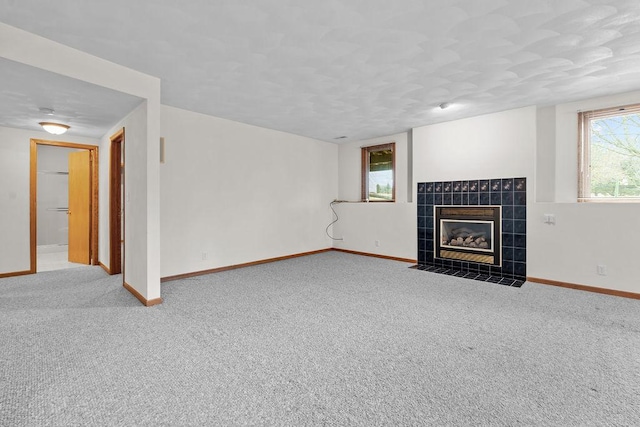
[[516, 283]]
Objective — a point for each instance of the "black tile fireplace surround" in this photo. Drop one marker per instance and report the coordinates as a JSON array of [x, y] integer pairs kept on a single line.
[[508, 193]]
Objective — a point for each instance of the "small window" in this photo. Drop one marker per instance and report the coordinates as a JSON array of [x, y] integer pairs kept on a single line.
[[609, 163], [379, 173]]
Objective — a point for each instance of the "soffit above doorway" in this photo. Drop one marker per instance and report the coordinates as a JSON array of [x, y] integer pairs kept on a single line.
[[90, 110]]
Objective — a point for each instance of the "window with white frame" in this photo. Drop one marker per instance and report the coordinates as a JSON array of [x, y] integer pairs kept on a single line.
[[609, 154]]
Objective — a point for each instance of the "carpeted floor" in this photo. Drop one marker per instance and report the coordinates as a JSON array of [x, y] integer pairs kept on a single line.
[[328, 339]]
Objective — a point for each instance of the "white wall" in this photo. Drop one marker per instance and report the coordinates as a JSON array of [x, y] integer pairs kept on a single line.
[[585, 234], [360, 225], [566, 140], [499, 145], [14, 194], [545, 154], [135, 136], [240, 193]]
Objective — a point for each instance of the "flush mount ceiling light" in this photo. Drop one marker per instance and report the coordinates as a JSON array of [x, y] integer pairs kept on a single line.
[[444, 105], [54, 128]]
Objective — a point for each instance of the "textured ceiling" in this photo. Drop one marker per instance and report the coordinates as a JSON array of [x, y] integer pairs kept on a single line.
[[90, 110], [360, 68]]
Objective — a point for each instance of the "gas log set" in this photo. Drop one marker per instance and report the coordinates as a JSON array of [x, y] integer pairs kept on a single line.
[[467, 238]]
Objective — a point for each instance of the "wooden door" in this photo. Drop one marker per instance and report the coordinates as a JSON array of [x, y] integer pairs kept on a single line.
[[79, 206], [115, 209]]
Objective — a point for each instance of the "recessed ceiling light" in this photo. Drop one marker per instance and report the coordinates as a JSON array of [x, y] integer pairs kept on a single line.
[[340, 137], [54, 128]]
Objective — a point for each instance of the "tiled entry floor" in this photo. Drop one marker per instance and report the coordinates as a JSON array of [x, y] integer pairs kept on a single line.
[[54, 257], [506, 281]]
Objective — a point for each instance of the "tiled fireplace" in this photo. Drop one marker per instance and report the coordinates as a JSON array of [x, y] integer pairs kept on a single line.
[[475, 229]]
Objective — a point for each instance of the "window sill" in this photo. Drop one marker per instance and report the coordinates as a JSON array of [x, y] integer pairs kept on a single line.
[[609, 200]]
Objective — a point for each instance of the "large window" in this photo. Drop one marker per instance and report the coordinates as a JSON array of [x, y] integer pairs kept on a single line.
[[378, 173], [609, 163]]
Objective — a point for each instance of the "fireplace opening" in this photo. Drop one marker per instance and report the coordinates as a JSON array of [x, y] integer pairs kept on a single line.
[[468, 234]]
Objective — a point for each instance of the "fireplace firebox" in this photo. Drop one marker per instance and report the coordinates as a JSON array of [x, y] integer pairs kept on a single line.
[[468, 233]]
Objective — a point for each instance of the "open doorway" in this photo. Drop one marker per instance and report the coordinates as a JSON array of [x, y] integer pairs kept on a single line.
[[64, 205]]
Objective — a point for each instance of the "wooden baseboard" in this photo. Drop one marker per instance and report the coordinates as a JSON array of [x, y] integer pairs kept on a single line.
[[142, 299], [16, 273], [268, 260], [233, 267], [605, 291], [105, 268], [393, 258]]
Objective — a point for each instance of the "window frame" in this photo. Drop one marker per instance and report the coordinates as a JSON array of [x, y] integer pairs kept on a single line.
[[584, 152], [365, 155]]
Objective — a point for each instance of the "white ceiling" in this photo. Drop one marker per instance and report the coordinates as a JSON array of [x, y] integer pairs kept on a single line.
[[360, 68], [90, 110]]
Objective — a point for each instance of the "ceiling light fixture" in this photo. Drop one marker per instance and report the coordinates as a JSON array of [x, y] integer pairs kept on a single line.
[[444, 105], [54, 128]]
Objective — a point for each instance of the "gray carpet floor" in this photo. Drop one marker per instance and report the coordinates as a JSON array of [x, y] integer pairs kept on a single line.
[[328, 339]]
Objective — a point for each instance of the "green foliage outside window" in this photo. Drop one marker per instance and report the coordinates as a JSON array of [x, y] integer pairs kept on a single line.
[[615, 156]]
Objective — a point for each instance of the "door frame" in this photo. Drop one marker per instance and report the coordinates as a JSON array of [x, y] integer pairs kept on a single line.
[[116, 207], [33, 197]]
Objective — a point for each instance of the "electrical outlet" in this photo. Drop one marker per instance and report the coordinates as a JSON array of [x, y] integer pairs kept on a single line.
[[204, 256], [602, 270], [550, 219], [377, 243]]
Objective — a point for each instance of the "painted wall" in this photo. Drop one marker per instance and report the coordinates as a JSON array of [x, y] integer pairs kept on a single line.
[[234, 193], [379, 228], [134, 177], [565, 149], [545, 154], [585, 234], [500, 145], [14, 194]]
